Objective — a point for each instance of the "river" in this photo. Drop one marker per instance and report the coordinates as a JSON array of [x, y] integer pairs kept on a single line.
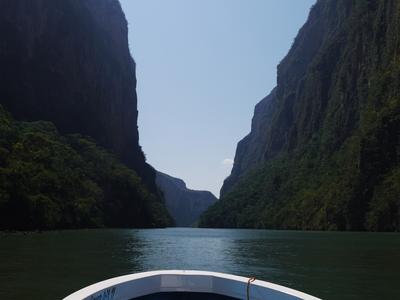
[[330, 265]]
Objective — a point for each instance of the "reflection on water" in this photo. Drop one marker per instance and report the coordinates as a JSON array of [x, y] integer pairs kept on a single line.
[[329, 265], [52, 264]]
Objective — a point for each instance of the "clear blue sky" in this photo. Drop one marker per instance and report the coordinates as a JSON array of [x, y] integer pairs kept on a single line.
[[202, 65]]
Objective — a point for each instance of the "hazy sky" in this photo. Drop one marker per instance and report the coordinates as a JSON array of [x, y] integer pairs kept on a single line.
[[202, 65]]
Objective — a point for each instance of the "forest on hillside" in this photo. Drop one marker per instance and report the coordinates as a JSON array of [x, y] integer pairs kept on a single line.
[[52, 181]]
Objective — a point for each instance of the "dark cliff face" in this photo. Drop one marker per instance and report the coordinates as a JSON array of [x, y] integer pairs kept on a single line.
[[68, 62], [67, 77], [323, 152], [184, 205]]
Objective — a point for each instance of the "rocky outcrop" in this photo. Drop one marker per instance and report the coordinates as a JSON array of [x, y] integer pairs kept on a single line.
[[250, 151], [68, 62], [184, 205]]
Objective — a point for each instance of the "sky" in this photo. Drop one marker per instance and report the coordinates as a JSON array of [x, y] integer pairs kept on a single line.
[[202, 65]]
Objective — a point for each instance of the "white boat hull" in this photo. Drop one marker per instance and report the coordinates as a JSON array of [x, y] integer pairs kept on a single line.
[[142, 284]]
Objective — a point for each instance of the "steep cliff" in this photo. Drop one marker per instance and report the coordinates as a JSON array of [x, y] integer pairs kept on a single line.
[[250, 150], [72, 156], [184, 205], [324, 148], [68, 62]]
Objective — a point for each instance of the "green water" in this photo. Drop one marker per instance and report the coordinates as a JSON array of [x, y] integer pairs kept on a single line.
[[330, 265]]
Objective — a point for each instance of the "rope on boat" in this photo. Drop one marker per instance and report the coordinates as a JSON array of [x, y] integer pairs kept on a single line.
[[251, 279]]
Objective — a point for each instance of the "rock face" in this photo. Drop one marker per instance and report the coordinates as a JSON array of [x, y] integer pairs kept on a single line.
[[323, 151], [250, 150], [184, 205], [68, 62]]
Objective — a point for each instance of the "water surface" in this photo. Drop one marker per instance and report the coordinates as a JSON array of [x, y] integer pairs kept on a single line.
[[330, 265]]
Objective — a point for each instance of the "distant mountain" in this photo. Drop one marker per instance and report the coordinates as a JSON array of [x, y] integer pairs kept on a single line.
[[324, 147], [68, 62], [184, 205]]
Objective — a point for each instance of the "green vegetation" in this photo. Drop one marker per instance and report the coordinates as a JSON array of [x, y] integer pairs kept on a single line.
[[49, 181], [335, 130], [355, 188]]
